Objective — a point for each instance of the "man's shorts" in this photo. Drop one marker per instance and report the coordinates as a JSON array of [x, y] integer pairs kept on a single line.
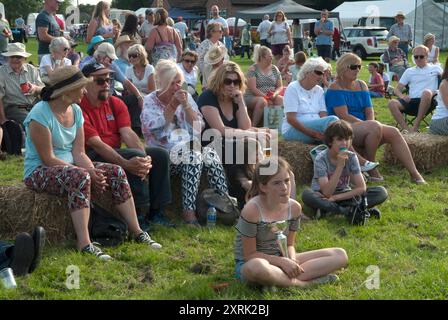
[[411, 107]]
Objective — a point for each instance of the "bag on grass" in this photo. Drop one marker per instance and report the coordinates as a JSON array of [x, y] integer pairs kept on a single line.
[[227, 211], [105, 228], [359, 214], [12, 138]]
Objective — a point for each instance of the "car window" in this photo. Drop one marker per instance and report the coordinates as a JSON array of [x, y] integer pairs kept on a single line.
[[378, 33]]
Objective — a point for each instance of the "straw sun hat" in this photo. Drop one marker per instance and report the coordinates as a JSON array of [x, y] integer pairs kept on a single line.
[[215, 55], [67, 78], [16, 49]]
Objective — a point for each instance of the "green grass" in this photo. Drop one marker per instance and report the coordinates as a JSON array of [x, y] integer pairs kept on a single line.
[[409, 246]]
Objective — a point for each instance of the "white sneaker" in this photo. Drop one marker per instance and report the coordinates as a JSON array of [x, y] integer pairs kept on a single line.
[[369, 165], [144, 237], [92, 249]]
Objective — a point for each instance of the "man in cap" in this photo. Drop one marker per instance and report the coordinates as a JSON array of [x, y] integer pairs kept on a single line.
[[20, 84], [147, 25], [403, 31], [107, 126], [47, 27]]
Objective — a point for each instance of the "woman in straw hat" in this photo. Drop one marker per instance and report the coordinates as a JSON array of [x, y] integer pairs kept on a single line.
[[56, 162], [429, 41], [212, 61]]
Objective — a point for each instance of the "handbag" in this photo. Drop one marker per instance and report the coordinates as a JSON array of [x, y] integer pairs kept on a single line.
[[227, 211], [273, 117]]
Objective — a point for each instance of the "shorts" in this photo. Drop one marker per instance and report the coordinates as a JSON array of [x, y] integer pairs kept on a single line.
[[411, 107], [238, 265], [277, 49]]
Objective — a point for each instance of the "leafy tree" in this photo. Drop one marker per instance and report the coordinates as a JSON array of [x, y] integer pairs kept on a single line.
[[130, 5], [14, 8]]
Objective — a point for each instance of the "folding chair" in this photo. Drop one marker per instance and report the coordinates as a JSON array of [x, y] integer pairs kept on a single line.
[[410, 116]]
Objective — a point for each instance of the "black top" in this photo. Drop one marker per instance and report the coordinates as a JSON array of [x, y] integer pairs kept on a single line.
[[208, 98]]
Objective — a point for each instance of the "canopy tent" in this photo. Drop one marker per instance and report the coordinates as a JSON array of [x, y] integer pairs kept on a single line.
[[185, 14], [423, 15], [292, 10], [231, 22]]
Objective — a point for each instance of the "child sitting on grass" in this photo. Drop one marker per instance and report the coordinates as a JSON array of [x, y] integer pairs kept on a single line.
[[283, 65], [258, 257], [376, 82], [337, 176]]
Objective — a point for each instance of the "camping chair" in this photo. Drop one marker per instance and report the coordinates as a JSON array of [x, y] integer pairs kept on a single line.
[[410, 116], [387, 70]]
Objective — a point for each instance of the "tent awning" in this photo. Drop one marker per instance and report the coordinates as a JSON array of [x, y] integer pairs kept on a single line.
[[292, 10], [185, 14]]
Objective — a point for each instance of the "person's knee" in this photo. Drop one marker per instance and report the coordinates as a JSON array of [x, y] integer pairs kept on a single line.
[[394, 104], [426, 94], [257, 268], [261, 104], [341, 256]]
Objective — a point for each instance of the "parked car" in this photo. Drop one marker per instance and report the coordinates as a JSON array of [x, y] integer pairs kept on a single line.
[[367, 41]]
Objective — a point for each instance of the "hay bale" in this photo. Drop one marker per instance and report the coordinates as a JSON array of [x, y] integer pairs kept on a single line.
[[428, 151], [21, 209], [298, 156]]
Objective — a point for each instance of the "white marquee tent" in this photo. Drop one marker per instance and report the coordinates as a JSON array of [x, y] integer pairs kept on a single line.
[[423, 15]]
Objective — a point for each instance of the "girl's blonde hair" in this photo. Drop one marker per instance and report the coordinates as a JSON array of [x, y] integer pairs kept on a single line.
[[260, 52], [216, 81], [346, 60], [166, 71], [258, 178], [140, 50]]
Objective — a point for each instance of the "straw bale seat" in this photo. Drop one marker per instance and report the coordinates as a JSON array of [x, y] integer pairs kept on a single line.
[[428, 150], [298, 156]]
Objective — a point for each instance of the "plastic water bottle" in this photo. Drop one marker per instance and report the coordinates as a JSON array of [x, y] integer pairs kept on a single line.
[[211, 217]]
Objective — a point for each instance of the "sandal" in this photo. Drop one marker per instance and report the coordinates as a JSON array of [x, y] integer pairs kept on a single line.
[[191, 220], [419, 181], [375, 179]]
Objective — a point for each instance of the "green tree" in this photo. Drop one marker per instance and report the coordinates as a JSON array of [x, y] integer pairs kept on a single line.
[[130, 5], [14, 8]]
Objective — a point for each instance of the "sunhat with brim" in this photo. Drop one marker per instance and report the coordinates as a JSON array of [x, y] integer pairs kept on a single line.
[[393, 38], [215, 55], [95, 40], [106, 49], [123, 39], [95, 69], [16, 49], [400, 14], [67, 78]]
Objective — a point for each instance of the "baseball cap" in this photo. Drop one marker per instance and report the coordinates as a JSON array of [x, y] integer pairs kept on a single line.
[[95, 69], [107, 49]]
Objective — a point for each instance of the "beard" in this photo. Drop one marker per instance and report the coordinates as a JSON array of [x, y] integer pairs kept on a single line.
[[103, 95]]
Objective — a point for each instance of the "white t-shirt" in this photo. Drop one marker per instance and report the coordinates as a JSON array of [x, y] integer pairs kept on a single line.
[[279, 33], [441, 110], [221, 20], [263, 28], [145, 29], [142, 85], [420, 79], [47, 60], [182, 28], [190, 77], [306, 103]]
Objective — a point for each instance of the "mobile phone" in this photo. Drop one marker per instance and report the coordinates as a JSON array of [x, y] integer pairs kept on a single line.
[[185, 86]]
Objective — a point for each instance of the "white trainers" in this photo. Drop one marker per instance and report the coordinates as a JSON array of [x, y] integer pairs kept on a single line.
[[92, 249], [144, 237], [369, 165]]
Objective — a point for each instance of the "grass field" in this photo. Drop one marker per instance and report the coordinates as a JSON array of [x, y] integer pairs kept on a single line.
[[402, 256]]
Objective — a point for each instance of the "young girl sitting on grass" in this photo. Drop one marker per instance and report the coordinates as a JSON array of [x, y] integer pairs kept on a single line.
[[258, 258], [376, 82], [283, 65]]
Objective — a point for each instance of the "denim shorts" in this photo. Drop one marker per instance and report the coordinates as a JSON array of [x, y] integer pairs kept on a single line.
[[238, 265]]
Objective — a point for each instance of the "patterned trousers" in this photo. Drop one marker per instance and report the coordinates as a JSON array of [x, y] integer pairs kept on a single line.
[[190, 170], [75, 182]]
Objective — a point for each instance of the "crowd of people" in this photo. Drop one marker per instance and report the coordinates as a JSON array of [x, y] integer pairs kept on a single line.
[[128, 116]]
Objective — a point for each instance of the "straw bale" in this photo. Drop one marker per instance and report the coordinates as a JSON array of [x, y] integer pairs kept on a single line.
[[21, 209], [298, 156], [429, 151]]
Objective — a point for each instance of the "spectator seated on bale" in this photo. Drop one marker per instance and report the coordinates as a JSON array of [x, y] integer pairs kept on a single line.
[[56, 162], [348, 98], [20, 84], [439, 121], [212, 61], [104, 136], [121, 49], [91, 48], [189, 67]]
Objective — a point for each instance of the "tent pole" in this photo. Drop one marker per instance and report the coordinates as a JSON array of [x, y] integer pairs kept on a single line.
[[415, 22], [443, 26]]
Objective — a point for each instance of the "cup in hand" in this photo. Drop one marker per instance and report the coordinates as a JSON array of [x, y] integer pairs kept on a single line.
[[25, 87], [7, 278]]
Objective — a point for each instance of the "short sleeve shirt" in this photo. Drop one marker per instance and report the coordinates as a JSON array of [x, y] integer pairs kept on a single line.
[[105, 121], [141, 84], [323, 39], [356, 102], [46, 20], [62, 138], [420, 79], [324, 168], [208, 98]]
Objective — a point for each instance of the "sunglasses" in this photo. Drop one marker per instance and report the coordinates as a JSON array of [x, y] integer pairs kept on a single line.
[[319, 73], [102, 81], [355, 66], [419, 57], [190, 61], [66, 49], [133, 55], [235, 82]]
